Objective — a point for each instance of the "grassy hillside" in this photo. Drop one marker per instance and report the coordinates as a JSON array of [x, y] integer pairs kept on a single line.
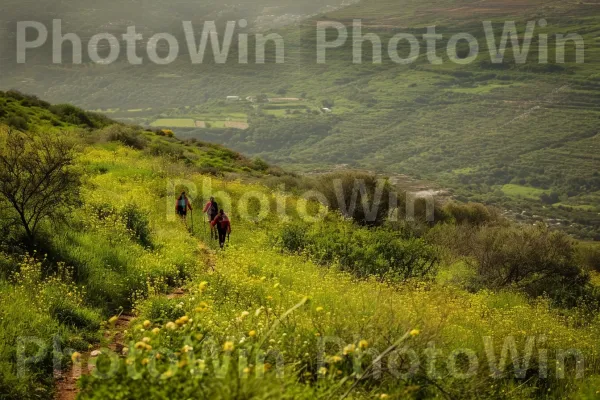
[[471, 128], [291, 308]]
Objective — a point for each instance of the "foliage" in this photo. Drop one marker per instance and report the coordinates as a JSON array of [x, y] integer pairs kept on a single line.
[[531, 259], [342, 190], [472, 213], [39, 312], [127, 135], [37, 178], [381, 252], [137, 222], [366, 286]]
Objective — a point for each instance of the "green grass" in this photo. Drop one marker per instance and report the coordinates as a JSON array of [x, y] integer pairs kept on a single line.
[[110, 266], [174, 123], [523, 192]]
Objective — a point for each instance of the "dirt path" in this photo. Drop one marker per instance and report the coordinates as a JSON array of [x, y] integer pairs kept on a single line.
[[66, 383], [66, 387]]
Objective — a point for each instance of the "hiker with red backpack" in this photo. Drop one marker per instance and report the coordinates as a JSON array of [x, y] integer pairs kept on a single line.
[[211, 209], [221, 221]]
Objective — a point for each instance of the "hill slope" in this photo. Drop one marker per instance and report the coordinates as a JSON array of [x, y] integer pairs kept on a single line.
[[481, 129], [291, 308]]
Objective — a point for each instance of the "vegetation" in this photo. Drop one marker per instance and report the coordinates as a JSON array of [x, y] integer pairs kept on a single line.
[[291, 308], [522, 137], [37, 179]]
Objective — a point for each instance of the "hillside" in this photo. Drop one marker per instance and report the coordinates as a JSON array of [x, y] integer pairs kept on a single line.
[[520, 136], [295, 306]]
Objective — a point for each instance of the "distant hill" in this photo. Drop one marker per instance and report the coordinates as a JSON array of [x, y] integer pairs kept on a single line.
[[521, 136], [28, 113]]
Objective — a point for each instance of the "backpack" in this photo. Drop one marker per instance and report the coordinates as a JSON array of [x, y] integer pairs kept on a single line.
[[214, 208]]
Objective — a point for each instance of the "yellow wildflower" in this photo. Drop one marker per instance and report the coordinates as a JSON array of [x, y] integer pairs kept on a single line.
[[252, 333], [363, 344], [349, 349], [228, 346], [75, 357], [140, 345], [171, 325], [415, 332], [147, 324]]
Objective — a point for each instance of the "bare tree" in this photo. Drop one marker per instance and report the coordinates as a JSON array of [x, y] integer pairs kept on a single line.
[[37, 177]]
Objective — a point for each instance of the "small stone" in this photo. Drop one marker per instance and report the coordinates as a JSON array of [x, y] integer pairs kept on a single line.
[[95, 353]]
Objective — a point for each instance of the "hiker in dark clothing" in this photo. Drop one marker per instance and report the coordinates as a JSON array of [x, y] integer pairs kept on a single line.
[[223, 226], [182, 205], [211, 209]]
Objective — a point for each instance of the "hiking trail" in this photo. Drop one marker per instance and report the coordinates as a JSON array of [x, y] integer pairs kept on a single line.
[[66, 381]]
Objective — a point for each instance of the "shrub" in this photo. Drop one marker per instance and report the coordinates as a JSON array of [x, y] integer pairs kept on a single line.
[[17, 122], [472, 213], [588, 255], [166, 150], [72, 115], [344, 189], [293, 237], [127, 135], [361, 251], [533, 259]]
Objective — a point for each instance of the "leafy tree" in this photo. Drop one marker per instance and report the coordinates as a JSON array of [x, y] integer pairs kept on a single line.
[[37, 178], [362, 196]]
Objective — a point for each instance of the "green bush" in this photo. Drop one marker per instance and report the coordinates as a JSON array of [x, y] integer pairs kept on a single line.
[[588, 256], [472, 213], [127, 135], [364, 252], [533, 259], [368, 193]]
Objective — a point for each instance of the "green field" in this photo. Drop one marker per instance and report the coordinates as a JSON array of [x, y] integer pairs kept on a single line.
[[174, 123], [523, 192]]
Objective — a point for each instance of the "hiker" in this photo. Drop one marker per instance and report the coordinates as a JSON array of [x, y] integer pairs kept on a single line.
[[182, 205], [223, 225], [211, 209]]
